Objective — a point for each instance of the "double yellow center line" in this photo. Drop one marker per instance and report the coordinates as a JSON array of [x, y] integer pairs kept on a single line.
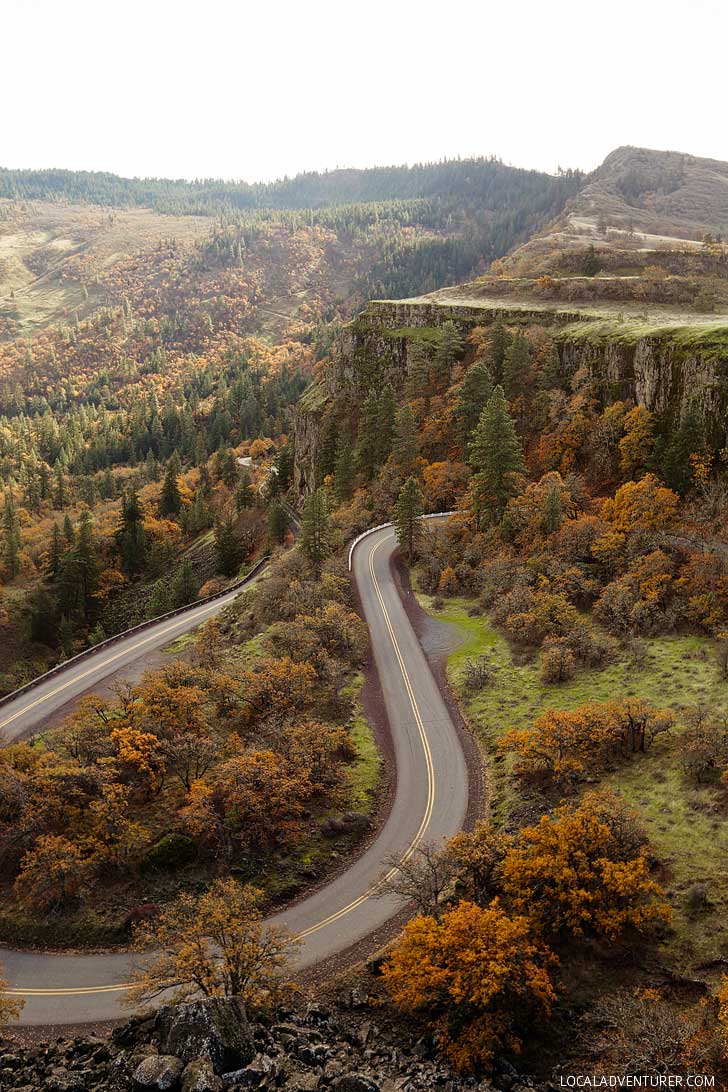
[[375, 888]]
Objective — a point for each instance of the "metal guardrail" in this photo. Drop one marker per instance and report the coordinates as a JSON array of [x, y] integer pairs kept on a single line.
[[381, 526], [260, 564]]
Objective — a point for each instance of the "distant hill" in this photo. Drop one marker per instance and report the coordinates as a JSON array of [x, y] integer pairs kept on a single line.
[[482, 181]]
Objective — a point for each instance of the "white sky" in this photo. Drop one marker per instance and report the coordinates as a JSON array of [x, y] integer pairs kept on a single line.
[[255, 90]]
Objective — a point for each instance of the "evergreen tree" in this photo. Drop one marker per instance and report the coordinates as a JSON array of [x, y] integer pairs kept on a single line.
[[344, 470], [498, 343], [516, 366], [448, 348], [78, 579], [367, 439], [475, 390], [131, 538], [404, 444], [277, 522], [159, 601], [316, 539], [687, 439], [170, 499], [244, 497], [42, 618], [496, 458], [419, 361], [386, 413], [590, 264], [55, 554], [283, 463], [553, 513], [327, 449], [407, 517], [228, 549], [60, 497], [11, 538], [184, 586], [68, 532], [226, 467]]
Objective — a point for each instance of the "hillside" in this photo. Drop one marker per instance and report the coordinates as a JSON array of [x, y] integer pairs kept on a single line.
[[643, 206]]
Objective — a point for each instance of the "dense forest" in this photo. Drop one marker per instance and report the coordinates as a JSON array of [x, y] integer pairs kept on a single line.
[[487, 181]]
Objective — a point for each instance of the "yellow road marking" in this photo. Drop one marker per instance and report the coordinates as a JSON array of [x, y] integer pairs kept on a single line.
[[372, 890], [104, 663]]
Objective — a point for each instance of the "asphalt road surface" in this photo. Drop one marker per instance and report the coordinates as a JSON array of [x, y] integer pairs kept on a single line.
[[429, 804]]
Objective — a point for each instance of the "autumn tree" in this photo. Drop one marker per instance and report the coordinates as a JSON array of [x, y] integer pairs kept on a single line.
[[317, 534], [217, 946], [476, 857], [478, 975], [583, 870], [644, 505], [407, 517], [51, 875], [637, 444], [496, 458]]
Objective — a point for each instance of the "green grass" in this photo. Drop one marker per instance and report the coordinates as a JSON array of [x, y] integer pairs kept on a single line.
[[686, 823], [366, 770], [696, 334]]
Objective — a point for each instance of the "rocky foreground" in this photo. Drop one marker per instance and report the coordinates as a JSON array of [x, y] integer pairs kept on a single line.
[[209, 1046]]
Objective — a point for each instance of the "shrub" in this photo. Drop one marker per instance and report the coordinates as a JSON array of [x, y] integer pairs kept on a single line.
[[170, 852], [558, 662]]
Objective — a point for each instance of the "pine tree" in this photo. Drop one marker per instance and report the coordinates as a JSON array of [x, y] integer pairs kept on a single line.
[[184, 586], [367, 440], [316, 540], [226, 468], [419, 360], [54, 554], [386, 412], [277, 522], [131, 538], [475, 390], [11, 538], [170, 499], [498, 343], [496, 458], [78, 578], [60, 497], [553, 512], [516, 366], [407, 515], [228, 549], [404, 444], [244, 497], [160, 601], [344, 470], [327, 449], [42, 620], [448, 348]]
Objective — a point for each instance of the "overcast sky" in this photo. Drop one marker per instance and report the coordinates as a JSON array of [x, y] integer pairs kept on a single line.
[[256, 90]]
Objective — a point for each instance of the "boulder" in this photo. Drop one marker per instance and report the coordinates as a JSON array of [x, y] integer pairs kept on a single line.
[[355, 1082], [158, 1073], [199, 1076], [215, 1028]]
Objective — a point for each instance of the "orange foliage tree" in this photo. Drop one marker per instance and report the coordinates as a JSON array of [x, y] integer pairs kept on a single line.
[[477, 973]]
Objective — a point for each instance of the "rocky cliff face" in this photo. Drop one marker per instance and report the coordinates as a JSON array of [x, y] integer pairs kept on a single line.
[[208, 1046], [662, 368]]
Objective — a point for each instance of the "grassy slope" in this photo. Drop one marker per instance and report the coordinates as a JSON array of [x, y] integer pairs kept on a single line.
[[686, 823]]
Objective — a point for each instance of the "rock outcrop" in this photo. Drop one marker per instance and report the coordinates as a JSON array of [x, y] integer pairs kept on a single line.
[[209, 1046]]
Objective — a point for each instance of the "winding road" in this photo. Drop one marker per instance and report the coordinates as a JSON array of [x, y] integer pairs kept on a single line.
[[430, 799]]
